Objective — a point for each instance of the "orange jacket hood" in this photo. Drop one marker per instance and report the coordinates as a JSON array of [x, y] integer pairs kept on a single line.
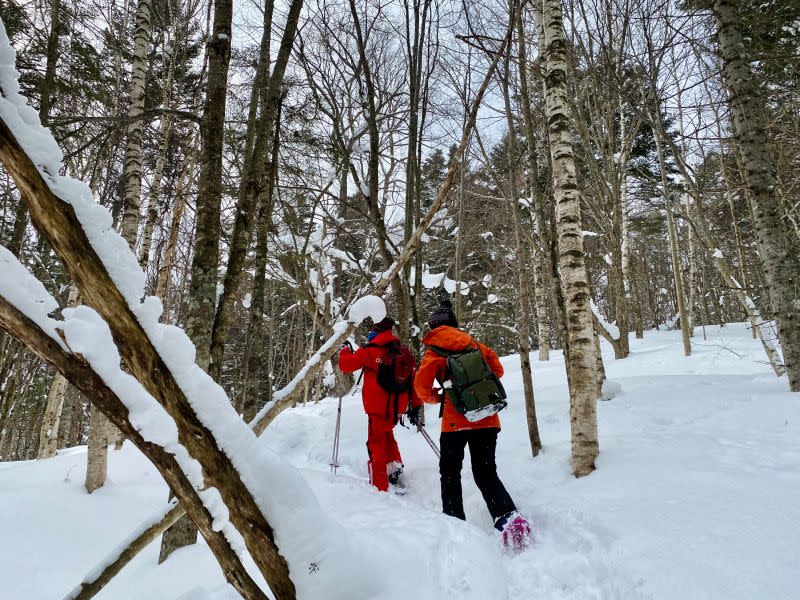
[[448, 338]]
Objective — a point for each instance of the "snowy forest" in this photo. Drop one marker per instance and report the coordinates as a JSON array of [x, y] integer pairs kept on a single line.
[[209, 208]]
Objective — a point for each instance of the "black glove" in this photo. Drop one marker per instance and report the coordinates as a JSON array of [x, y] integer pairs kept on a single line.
[[347, 345], [414, 415]]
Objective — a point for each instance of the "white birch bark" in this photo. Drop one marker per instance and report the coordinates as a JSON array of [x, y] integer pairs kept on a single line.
[[133, 149], [97, 452], [582, 361], [48, 438], [155, 187]]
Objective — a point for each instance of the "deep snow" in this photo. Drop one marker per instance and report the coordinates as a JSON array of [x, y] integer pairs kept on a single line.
[[695, 496]]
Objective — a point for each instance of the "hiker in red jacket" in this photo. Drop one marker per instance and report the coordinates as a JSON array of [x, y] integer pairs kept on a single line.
[[383, 407], [458, 431]]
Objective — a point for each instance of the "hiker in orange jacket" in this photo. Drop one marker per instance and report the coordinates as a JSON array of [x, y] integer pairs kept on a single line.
[[382, 407], [458, 432]]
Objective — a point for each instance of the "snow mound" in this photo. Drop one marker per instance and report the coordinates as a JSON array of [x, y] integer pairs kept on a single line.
[[367, 306], [611, 389]]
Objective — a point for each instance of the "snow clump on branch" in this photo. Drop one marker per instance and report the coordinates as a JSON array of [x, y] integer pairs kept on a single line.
[[368, 306]]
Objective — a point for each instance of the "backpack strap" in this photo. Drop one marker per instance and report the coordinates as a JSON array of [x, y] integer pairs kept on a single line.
[[442, 397]]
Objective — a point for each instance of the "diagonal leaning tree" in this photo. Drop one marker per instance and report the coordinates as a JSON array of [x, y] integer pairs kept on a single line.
[[54, 217]]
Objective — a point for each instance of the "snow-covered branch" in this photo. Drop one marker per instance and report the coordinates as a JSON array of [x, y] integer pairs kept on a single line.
[[34, 328]]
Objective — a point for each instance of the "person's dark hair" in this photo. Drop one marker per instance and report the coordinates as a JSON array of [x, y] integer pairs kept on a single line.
[[384, 324], [443, 315]]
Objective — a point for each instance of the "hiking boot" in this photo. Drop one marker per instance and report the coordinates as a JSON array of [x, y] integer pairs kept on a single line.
[[516, 531], [395, 477]]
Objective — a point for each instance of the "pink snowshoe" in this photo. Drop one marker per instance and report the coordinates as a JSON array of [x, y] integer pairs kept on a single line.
[[516, 533]]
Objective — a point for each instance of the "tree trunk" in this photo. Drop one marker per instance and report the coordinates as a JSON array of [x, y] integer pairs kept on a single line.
[[254, 183], [459, 249], [48, 438], [70, 416], [372, 117], [254, 345], [523, 285], [416, 36], [638, 322], [673, 245], [133, 148], [729, 197], [132, 164], [205, 261], [185, 179], [778, 253], [46, 95], [52, 60], [97, 453], [620, 254], [541, 247], [582, 359], [155, 187], [691, 315]]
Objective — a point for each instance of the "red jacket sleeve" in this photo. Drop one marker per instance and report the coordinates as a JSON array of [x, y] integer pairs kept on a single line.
[[492, 360], [350, 361], [432, 365]]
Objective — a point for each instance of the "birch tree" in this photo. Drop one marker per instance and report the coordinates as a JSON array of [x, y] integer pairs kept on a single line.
[[582, 357], [48, 437], [778, 252], [133, 148]]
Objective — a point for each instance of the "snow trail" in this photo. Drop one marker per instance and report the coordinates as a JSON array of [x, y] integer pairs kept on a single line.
[[693, 496]]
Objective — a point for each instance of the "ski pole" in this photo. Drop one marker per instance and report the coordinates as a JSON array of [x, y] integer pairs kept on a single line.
[[430, 441], [335, 454]]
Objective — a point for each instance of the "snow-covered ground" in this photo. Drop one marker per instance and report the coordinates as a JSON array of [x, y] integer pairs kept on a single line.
[[695, 495]]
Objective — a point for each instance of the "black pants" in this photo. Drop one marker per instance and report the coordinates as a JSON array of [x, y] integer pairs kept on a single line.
[[482, 445]]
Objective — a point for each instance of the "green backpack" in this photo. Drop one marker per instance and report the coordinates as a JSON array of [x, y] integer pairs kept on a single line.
[[471, 385]]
